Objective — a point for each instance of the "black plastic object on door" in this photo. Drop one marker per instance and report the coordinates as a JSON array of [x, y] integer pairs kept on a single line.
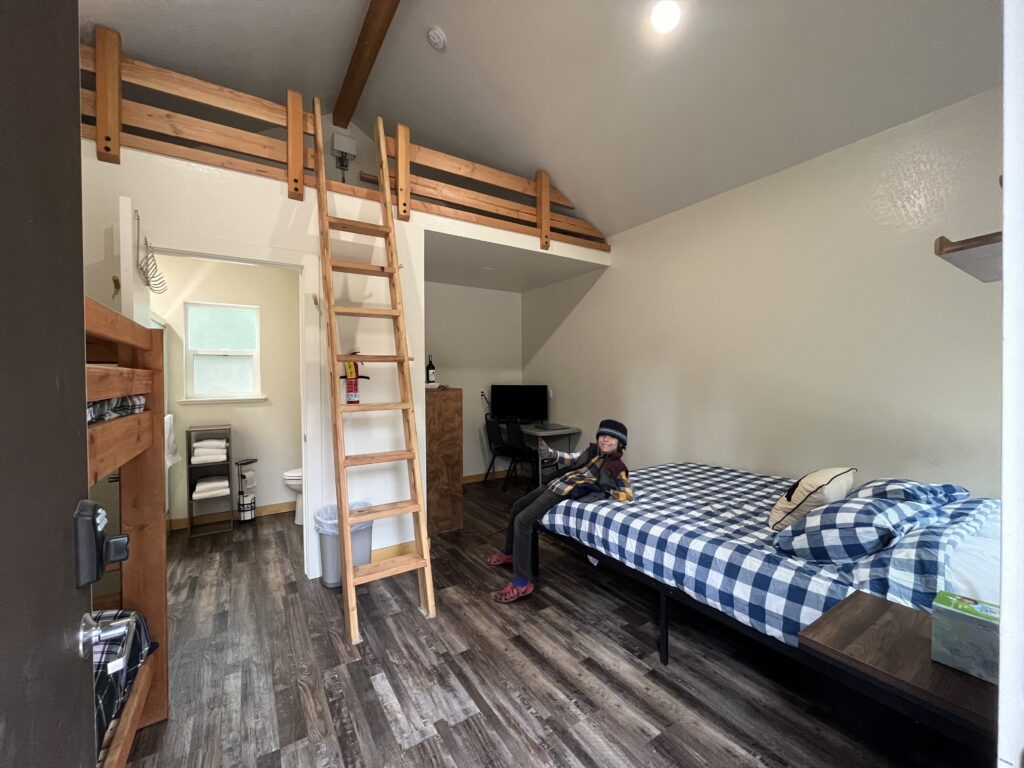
[[93, 548]]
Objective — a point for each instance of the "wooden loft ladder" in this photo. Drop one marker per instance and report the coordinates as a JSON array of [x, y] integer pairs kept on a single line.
[[418, 561]]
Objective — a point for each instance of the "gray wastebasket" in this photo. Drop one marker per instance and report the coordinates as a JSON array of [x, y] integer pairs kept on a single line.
[[330, 556]]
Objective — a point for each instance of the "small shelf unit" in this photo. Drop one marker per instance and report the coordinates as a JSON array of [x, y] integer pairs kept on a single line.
[[197, 472]]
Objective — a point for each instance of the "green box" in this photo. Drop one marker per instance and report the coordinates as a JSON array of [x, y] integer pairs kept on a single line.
[[965, 635]]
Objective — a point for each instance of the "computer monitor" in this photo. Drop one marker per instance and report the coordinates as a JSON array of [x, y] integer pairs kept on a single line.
[[519, 402]]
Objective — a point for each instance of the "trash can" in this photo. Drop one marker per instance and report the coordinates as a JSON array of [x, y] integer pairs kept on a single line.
[[330, 556]]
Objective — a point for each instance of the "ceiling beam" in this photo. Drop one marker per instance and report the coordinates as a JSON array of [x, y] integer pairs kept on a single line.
[[371, 37]]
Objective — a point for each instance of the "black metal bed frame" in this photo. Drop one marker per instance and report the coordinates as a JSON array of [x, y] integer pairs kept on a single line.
[[919, 710]]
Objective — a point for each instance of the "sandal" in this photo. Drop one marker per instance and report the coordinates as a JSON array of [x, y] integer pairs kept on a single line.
[[499, 558], [511, 592]]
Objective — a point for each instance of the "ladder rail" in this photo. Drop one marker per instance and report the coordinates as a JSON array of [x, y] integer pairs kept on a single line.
[[425, 574], [340, 476]]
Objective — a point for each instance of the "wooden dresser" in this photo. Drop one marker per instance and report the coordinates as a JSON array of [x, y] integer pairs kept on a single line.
[[444, 460]]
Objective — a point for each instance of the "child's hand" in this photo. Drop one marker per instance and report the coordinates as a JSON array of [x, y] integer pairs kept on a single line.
[[542, 445]]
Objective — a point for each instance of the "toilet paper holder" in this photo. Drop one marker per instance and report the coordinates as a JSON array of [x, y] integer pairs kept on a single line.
[[246, 501]]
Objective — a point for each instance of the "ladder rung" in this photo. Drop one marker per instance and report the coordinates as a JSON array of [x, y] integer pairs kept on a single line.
[[393, 566], [365, 311], [371, 359], [357, 227], [355, 268], [359, 459], [357, 407], [382, 510]]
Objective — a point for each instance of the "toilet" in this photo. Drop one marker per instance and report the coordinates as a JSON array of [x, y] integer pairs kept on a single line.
[[293, 479]]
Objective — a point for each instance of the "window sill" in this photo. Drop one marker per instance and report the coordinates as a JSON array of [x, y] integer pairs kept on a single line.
[[215, 400]]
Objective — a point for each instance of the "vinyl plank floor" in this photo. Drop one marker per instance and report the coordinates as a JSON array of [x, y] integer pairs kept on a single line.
[[262, 676]]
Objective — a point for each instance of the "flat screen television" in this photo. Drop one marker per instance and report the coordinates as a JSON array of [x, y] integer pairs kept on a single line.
[[519, 402]]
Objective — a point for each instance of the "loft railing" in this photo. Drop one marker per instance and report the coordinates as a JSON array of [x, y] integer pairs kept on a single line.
[[443, 185]]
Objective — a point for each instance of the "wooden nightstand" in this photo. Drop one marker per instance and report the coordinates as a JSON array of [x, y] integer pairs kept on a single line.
[[889, 645]]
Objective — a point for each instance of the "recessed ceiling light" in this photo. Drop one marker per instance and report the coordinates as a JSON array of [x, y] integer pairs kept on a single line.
[[437, 38], [665, 16]]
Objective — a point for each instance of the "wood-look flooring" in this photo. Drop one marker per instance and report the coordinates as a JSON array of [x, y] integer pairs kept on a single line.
[[261, 674]]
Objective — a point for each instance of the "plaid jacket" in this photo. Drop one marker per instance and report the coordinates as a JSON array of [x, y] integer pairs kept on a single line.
[[590, 475]]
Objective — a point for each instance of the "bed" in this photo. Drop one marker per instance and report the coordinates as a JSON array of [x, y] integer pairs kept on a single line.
[[699, 532], [125, 435]]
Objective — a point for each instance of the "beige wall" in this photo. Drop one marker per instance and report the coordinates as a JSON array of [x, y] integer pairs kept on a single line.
[[801, 321], [269, 430], [475, 338]]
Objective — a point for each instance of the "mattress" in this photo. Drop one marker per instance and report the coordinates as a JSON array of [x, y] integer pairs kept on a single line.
[[703, 529]]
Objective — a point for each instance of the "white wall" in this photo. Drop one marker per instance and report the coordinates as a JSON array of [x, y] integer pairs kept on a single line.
[[190, 208], [475, 337], [802, 320], [269, 430]]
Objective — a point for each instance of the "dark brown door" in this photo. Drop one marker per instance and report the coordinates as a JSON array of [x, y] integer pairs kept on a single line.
[[46, 699]]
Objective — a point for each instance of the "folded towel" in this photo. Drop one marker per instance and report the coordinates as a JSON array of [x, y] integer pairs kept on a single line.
[[211, 483], [209, 459], [222, 444], [216, 493], [208, 451]]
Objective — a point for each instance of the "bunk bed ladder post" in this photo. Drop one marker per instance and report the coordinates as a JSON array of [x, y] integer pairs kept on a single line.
[[353, 575]]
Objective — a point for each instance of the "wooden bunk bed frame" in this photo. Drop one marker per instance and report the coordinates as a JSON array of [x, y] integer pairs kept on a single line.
[[134, 446]]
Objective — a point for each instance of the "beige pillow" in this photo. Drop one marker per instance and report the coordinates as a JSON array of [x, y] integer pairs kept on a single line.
[[809, 492]]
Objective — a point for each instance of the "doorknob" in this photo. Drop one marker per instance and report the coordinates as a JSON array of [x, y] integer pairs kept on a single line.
[[91, 632]]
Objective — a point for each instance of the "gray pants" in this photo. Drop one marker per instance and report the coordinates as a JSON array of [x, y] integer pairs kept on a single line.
[[519, 534]]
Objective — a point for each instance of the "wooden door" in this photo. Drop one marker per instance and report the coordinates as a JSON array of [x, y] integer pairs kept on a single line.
[[46, 698]]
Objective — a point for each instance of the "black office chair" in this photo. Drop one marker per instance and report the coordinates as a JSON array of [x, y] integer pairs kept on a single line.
[[521, 454], [498, 444]]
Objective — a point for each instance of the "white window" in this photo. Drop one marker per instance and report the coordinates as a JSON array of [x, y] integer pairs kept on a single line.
[[222, 351]]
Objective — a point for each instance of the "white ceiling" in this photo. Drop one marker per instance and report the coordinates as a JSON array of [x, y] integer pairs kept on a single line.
[[630, 125], [480, 264]]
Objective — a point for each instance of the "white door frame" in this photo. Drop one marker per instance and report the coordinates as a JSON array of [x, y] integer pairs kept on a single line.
[[311, 385]]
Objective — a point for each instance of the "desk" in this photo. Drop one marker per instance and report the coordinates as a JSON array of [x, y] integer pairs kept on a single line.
[[569, 434]]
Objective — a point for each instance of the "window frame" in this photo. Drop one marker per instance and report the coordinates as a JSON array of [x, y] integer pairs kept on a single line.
[[190, 355]]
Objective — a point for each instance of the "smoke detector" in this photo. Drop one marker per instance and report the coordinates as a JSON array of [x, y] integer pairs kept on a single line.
[[436, 38]]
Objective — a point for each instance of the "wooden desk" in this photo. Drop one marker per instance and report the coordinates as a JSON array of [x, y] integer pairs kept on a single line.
[[890, 645], [559, 432]]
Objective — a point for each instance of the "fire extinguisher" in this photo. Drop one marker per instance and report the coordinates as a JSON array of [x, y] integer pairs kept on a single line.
[[352, 377]]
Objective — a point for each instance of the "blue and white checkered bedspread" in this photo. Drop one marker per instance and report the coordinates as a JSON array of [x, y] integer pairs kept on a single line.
[[704, 530]]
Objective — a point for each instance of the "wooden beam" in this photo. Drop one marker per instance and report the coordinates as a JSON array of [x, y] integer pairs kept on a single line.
[[543, 181], [204, 131], [193, 89], [103, 382], [142, 495], [167, 149], [402, 186], [513, 209], [108, 94], [128, 724], [371, 37], [101, 322], [419, 155], [296, 189], [114, 443]]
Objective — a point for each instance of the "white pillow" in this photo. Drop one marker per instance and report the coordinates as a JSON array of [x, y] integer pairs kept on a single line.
[[809, 492]]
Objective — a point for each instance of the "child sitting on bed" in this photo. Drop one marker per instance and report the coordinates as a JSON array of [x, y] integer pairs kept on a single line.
[[590, 475]]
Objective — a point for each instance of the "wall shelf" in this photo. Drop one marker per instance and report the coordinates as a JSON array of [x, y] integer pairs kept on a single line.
[[981, 257]]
